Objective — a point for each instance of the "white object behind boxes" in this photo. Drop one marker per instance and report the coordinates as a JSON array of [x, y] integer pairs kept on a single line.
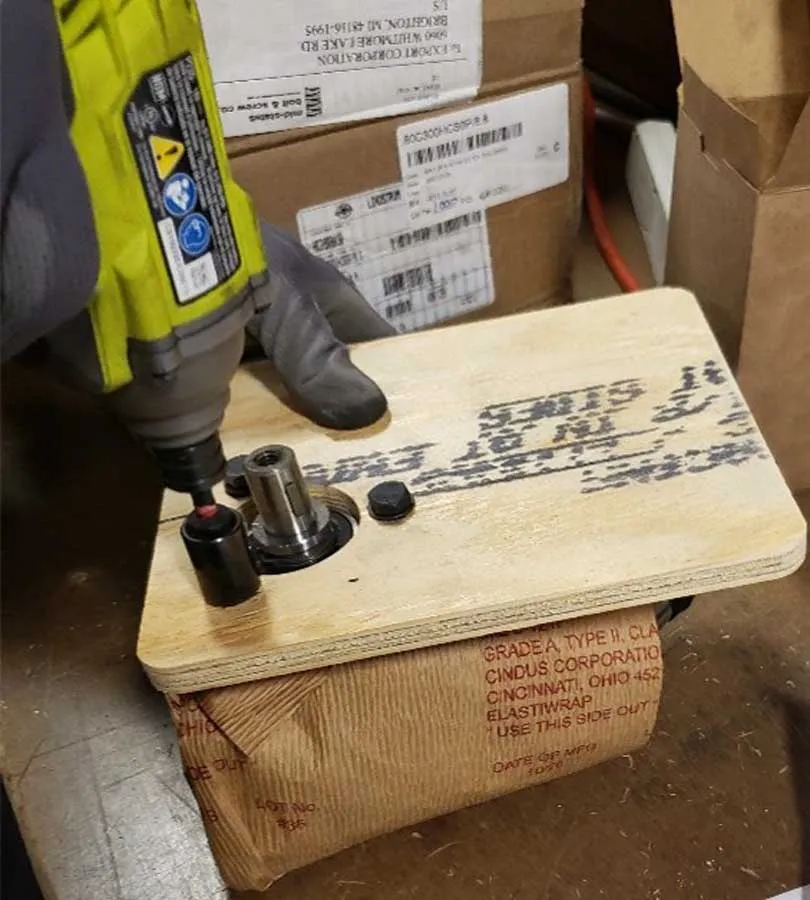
[[650, 167]]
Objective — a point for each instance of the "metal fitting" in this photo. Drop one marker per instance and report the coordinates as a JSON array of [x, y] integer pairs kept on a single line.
[[289, 522]]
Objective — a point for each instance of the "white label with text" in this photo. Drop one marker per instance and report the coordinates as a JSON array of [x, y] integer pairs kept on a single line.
[[284, 65], [485, 155], [413, 277]]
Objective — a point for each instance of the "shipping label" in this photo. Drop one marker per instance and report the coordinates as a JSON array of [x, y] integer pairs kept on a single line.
[[282, 65], [485, 155], [413, 277]]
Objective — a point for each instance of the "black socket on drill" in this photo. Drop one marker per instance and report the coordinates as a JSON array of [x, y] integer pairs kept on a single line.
[[218, 548]]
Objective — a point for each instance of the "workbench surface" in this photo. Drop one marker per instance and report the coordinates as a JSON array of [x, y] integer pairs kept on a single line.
[[717, 806]]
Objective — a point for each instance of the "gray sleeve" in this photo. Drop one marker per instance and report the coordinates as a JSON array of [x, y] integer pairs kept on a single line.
[[49, 251]]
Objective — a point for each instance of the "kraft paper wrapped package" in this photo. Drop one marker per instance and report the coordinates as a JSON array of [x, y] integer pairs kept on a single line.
[[289, 770]]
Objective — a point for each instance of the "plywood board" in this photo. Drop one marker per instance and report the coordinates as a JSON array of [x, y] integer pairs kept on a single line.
[[565, 462]]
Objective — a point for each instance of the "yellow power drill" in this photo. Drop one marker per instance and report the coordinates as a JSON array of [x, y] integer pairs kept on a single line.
[[181, 259]]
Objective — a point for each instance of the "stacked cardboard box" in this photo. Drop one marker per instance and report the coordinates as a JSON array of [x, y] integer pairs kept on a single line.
[[740, 228], [468, 210], [295, 63]]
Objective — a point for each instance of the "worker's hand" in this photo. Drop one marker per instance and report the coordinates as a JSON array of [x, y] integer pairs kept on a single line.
[[313, 310], [50, 254]]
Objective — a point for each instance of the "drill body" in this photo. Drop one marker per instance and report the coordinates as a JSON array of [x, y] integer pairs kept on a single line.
[[181, 260]]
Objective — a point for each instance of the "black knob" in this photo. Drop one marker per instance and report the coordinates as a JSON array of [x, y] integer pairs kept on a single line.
[[236, 485], [390, 501]]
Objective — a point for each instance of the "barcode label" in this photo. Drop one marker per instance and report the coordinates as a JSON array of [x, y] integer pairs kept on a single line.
[[313, 102], [478, 141], [442, 229], [408, 280], [413, 277], [485, 155]]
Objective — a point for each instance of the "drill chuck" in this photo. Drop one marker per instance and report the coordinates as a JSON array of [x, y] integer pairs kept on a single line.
[[192, 469]]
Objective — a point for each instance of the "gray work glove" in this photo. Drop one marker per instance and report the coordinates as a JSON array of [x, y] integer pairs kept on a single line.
[[313, 310], [50, 254]]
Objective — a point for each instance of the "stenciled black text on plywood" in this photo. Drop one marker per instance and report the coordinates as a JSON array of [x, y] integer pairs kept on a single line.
[[594, 430]]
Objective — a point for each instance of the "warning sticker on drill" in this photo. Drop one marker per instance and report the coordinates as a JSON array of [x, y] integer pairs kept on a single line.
[[171, 140]]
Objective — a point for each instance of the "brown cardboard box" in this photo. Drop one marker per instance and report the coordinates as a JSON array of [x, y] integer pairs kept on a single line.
[[740, 227], [531, 238], [538, 38], [531, 40]]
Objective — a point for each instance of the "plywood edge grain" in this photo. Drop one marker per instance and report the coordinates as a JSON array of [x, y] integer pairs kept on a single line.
[[315, 654]]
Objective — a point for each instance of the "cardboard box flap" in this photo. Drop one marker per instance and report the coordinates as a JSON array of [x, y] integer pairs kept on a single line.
[[725, 131], [746, 79], [746, 48], [795, 166], [765, 139]]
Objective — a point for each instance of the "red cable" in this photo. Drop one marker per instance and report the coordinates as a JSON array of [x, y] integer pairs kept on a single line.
[[604, 239]]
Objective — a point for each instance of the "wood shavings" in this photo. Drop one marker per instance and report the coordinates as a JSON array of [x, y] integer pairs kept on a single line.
[[441, 849]]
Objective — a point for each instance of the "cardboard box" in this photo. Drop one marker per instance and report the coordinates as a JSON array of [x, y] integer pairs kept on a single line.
[[741, 204], [537, 38], [283, 66], [530, 239]]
